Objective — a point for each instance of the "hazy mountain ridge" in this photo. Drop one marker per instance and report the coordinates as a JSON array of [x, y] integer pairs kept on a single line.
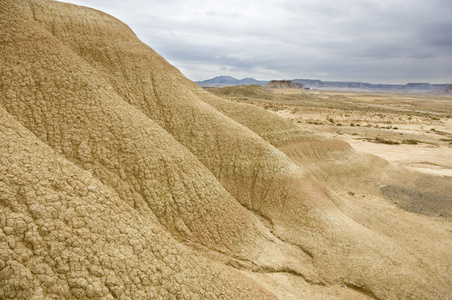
[[409, 87], [329, 85], [229, 81]]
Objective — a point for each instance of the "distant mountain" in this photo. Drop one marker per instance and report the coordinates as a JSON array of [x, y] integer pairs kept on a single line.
[[334, 85], [220, 81], [229, 81]]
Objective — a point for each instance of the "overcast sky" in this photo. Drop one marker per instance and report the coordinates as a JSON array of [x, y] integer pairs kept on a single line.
[[377, 41]]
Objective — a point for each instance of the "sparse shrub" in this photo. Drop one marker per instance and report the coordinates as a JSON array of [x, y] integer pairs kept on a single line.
[[410, 142], [433, 129], [352, 124], [338, 124], [395, 128], [383, 141]]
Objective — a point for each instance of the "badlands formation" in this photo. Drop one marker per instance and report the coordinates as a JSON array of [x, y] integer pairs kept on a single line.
[[120, 178]]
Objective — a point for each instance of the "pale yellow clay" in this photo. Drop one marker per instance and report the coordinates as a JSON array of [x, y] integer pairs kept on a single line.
[[122, 179]]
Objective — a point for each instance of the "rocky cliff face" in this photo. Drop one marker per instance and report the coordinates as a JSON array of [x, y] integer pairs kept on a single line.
[[120, 178], [447, 89], [281, 84]]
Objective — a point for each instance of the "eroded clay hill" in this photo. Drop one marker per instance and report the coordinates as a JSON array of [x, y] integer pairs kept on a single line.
[[120, 178]]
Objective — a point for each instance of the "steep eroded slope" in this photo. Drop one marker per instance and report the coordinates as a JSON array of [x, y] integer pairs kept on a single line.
[[83, 84]]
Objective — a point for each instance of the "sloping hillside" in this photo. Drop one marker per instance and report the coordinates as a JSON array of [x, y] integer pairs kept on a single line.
[[120, 178]]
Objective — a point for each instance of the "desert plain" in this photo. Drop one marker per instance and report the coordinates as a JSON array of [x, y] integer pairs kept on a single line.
[[412, 130]]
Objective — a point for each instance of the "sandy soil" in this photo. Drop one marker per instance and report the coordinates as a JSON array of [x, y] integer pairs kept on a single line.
[[409, 130], [428, 157], [122, 179]]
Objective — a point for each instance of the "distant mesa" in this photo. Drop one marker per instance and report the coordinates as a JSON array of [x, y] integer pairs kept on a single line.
[[447, 89], [282, 84]]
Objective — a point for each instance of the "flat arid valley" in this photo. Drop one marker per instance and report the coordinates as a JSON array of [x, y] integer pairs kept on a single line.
[[122, 179], [410, 130]]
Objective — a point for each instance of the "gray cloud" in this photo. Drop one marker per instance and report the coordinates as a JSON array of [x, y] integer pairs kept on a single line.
[[362, 40]]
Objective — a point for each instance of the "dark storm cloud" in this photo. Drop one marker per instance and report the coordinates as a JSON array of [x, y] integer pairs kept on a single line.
[[365, 40]]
